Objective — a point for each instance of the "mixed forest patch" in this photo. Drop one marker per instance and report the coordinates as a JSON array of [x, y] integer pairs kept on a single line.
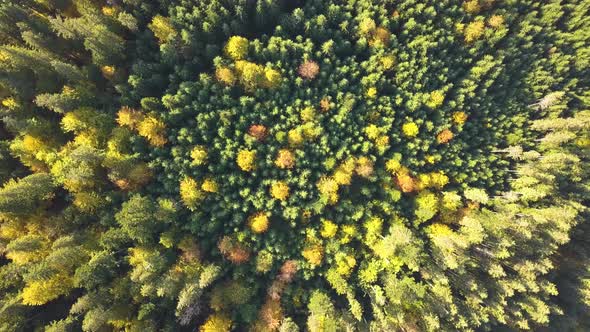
[[311, 165]]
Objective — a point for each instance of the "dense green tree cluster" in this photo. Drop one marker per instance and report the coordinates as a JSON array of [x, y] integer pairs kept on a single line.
[[310, 165]]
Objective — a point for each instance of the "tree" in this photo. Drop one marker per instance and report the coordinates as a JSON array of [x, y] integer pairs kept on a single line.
[[43, 291], [79, 169], [309, 69], [279, 190], [426, 206], [278, 166], [138, 219], [321, 313], [162, 28], [237, 48], [246, 159], [285, 159], [190, 193], [473, 31], [153, 130], [216, 323], [26, 195], [259, 222]]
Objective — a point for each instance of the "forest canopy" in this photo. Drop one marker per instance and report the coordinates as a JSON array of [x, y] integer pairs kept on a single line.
[[302, 165]]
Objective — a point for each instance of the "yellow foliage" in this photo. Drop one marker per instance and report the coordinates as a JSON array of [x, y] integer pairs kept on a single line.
[[311, 130], [239, 66], [33, 144], [280, 190], [327, 186], [129, 117], [11, 230], [307, 114], [72, 121], [199, 155], [225, 75], [40, 292], [583, 142], [349, 164], [439, 179], [496, 21], [387, 62], [313, 254], [295, 138], [374, 227], [459, 118], [272, 78], [393, 165], [153, 130], [423, 181], [432, 180], [342, 176], [473, 31], [68, 90], [372, 131], [19, 257], [370, 272], [138, 255], [10, 103], [251, 74], [108, 71], [237, 47], [109, 11], [471, 6], [329, 229], [87, 138], [209, 185], [348, 233], [259, 222], [459, 27], [435, 99], [344, 263], [371, 92], [410, 129], [367, 26], [246, 160], [162, 28], [438, 229], [431, 159], [190, 192], [216, 323], [382, 141]]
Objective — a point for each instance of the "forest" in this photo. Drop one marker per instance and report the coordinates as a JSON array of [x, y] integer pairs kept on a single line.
[[294, 165]]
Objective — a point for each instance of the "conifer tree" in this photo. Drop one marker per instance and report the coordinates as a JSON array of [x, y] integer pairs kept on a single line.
[[24, 196]]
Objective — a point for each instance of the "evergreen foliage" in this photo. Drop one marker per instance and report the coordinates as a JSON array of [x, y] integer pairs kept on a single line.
[[309, 165]]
